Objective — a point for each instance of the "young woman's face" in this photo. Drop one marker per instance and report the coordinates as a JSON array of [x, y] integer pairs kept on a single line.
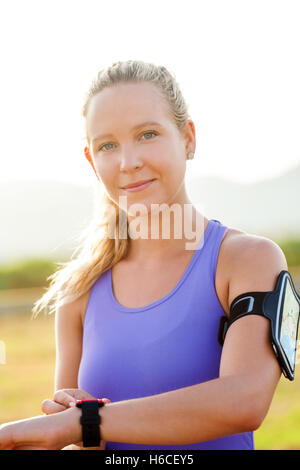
[[126, 150]]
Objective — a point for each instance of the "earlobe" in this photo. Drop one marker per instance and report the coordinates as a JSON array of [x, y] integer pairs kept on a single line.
[[190, 155]]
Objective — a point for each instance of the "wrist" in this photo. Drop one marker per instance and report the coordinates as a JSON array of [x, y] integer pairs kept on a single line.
[[74, 432], [88, 423]]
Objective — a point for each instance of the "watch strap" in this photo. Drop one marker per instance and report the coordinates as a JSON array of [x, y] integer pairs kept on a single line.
[[90, 422]]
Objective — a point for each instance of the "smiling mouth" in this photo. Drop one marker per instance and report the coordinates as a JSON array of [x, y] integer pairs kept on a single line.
[[138, 183], [139, 186]]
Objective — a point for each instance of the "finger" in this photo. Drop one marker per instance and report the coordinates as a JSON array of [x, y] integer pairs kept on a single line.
[[78, 394], [106, 400], [75, 393], [64, 398], [49, 407]]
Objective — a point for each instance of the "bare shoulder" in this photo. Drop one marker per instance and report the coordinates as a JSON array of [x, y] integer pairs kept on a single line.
[[253, 263], [76, 308]]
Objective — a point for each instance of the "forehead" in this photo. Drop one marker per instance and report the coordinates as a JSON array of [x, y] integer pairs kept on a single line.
[[125, 105]]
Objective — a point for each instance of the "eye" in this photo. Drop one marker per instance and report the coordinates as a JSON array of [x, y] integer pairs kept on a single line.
[[149, 133], [102, 146]]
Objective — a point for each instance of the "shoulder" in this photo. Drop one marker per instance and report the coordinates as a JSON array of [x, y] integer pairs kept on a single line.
[[76, 308], [254, 263]]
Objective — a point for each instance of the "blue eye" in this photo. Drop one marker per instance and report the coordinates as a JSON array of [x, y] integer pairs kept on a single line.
[[149, 132], [104, 145], [145, 133]]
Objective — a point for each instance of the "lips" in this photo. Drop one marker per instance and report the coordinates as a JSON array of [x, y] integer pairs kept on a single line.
[[138, 183]]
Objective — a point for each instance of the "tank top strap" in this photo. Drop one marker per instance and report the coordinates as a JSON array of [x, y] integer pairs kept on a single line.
[[214, 244]]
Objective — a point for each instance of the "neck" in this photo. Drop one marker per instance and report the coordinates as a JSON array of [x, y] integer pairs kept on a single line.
[[165, 231]]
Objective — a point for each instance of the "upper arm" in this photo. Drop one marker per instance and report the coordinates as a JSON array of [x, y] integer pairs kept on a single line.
[[247, 349], [68, 338]]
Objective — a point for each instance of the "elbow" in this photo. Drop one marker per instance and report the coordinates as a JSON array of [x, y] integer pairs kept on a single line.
[[251, 405], [251, 419], [252, 422], [249, 412]]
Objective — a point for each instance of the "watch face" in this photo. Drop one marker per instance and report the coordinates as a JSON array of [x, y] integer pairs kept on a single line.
[[289, 324]]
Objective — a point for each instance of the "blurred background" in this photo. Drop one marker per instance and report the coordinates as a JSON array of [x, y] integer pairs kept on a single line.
[[237, 63]]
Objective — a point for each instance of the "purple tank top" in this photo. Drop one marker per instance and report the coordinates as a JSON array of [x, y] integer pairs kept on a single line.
[[171, 343]]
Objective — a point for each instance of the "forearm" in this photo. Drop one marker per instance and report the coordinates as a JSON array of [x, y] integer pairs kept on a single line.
[[192, 414]]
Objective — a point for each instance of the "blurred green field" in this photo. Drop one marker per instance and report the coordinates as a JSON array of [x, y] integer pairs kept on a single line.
[[27, 379]]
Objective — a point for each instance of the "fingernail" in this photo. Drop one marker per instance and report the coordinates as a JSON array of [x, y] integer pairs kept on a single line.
[[71, 403]]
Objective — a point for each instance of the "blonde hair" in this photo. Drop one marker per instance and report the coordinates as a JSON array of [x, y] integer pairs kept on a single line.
[[98, 253]]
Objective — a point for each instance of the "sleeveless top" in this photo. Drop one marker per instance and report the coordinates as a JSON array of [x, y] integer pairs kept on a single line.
[[171, 343]]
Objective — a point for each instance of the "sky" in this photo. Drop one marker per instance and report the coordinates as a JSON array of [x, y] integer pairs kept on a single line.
[[236, 62]]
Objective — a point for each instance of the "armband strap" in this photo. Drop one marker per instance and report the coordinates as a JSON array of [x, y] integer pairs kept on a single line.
[[249, 303]]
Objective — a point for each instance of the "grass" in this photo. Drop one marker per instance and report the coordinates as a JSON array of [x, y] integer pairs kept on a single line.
[[281, 427], [27, 379]]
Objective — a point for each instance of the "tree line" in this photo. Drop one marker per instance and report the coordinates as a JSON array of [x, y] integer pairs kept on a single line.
[[34, 272]]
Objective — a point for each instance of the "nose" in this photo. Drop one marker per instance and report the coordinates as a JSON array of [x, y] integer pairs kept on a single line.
[[130, 160]]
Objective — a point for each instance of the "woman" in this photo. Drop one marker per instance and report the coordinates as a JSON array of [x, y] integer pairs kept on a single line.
[[137, 316]]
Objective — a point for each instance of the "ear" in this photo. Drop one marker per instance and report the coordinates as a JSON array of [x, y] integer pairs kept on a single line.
[[89, 158], [189, 135]]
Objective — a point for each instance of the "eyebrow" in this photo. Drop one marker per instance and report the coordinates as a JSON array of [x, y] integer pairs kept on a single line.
[[147, 123]]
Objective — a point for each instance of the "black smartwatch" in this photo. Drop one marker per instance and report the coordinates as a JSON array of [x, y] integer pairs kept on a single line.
[[90, 421]]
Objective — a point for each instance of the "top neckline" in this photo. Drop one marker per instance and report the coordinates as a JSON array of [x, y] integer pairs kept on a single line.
[[124, 309]]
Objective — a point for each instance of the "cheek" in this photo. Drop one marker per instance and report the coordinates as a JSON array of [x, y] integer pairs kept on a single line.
[[106, 171], [159, 162], [173, 165]]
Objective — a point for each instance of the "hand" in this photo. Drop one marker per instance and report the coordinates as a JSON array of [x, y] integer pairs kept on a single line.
[[64, 399]]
